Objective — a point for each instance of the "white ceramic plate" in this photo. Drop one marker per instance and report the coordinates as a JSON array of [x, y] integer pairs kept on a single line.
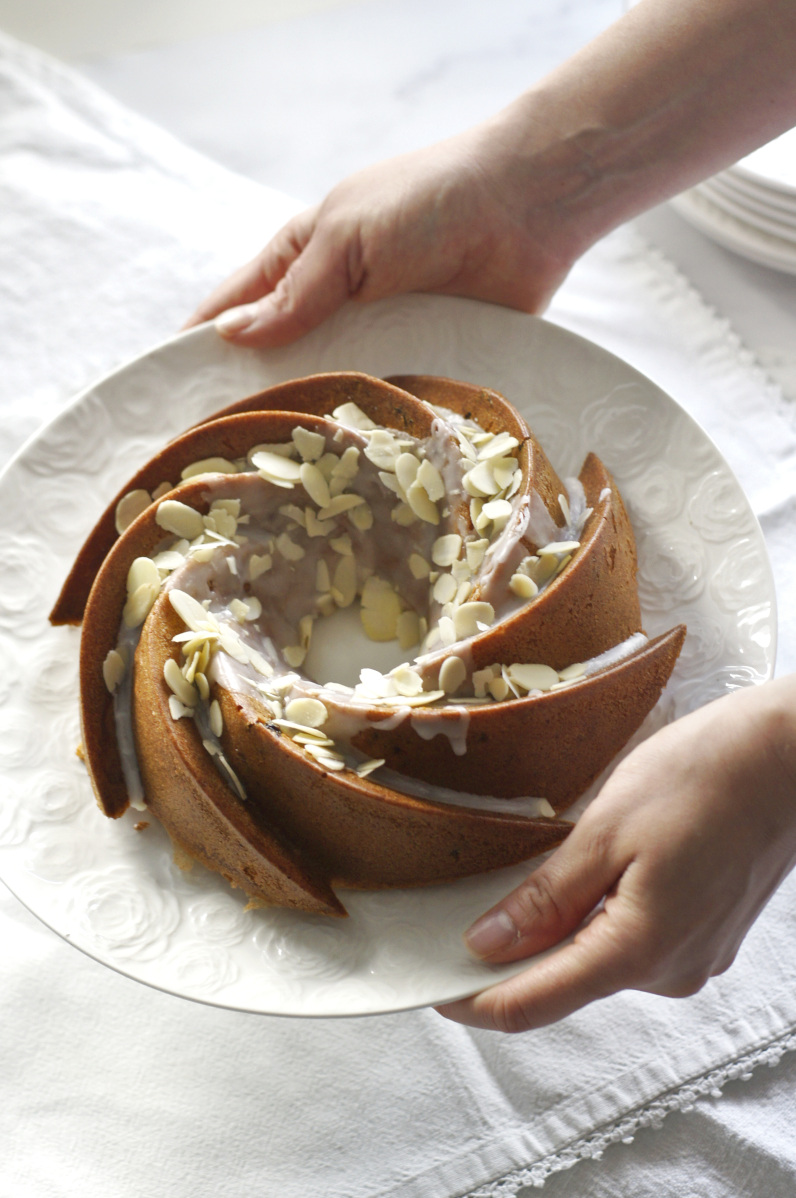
[[756, 197], [749, 211], [743, 237], [773, 165], [114, 891]]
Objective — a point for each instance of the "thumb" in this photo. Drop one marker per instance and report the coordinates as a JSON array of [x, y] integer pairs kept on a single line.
[[550, 903]]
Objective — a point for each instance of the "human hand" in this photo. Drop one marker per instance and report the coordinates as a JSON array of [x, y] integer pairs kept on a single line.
[[684, 845], [450, 219], [669, 94]]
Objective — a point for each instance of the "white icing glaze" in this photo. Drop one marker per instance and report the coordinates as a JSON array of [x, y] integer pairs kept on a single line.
[[276, 524], [617, 653], [453, 725], [123, 722], [526, 805]]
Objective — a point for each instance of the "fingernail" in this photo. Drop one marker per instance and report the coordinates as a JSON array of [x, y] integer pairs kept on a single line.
[[491, 934], [235, 320]]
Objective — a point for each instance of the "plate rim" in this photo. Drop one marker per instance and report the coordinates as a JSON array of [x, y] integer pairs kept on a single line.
[[186, 338]]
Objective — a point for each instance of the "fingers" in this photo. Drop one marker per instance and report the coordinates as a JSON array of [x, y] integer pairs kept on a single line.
[[550, 903], [611, 953], [311, 290], [261, 275], [593, 966], [299, 279]]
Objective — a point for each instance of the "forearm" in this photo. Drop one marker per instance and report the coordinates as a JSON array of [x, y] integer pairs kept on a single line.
[[671, 93]]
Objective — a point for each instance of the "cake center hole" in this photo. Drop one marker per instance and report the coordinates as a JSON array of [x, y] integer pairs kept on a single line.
[[339, 649]]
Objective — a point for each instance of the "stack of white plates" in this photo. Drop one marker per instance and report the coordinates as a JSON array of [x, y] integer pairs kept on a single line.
[[751, 207]]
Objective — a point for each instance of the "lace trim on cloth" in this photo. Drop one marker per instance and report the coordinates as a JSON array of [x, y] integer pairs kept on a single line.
[[722, 351], [727, 348], [624, 1130]]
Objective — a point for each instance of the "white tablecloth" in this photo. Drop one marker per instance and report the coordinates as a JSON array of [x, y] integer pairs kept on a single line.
[[110, 232]]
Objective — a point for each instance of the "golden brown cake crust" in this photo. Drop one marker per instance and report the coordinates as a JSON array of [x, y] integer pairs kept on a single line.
[[302, 828]]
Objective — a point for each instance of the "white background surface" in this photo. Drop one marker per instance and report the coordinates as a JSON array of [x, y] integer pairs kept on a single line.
[[297, 105], [116, 26]]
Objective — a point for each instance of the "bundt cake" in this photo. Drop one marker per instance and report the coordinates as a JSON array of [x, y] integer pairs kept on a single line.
[[335, 637]]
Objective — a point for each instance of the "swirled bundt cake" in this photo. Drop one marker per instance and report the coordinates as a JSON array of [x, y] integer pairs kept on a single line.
[[357, 633]]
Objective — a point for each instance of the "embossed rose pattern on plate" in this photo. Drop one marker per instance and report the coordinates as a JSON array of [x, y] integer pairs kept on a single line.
[[115, 891]]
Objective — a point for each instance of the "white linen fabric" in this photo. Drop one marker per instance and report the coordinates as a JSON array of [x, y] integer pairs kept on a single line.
[[110, 232]]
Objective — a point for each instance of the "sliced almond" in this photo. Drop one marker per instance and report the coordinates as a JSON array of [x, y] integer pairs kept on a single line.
[[177, 518], [176, 683], [142, 571], [209, 466], [246, 609], [431, 480], [305, 631], [361, 517], [532, 677], [559, 548], [294, 655], [178, 710], [419, 566], [523, 587], [499, 445], [308, 712], [274, 468], [315, 484], [113, 669], [497, 511], [570, 673], [503, 471], [407, 681], [309, 444], [403, 516], [382, 449], [344, 581], [261, 665], [347, 465], [480, 481], [446, 630], [452, 674], [314, 526], [338, 505], [380, 610], [139, 604], [367, 767], [216, 718], [293, 512], [446, 549], [130, 507], [407, 629], [406, 468], [259, 563], [444, 589], [169, 560], [469, 616], [420, 502], [325, 758], [190, 611], [352, 416], [289, 549], [323, 579]]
